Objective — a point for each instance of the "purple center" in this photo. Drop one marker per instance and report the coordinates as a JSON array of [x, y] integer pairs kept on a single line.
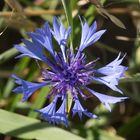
[[73, 74]]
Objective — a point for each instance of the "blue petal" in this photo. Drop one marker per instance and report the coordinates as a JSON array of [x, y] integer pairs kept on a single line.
[[60, 33], [60, 116], [77, 108], [106, 100], [48, 111], [27, 88], [43, 37], [31, 49], [110, 80], [89, 35], [113, 67], [34, 50]]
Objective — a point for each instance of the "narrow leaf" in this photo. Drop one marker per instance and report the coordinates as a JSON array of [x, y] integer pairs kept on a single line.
[[114, 19]]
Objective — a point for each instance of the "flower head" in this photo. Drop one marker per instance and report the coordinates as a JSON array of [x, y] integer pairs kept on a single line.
[[68, 71]]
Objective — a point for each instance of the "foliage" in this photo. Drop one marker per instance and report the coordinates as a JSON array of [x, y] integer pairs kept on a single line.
[[18, 119]]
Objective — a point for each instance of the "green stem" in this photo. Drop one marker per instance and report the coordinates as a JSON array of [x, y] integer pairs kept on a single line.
[[67, 4]]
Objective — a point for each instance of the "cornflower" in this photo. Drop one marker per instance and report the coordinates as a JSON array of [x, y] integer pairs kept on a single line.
[[68, 72]]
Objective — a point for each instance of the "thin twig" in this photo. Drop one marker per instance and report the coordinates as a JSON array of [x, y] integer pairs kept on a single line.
[[14, 4], [34, 13], [119, 10]]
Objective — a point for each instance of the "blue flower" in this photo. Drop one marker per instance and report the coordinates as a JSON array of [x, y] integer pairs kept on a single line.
[[60, 115], [68, 71], [105, 99], [77, 108], [48, 111], [60, 34], [27, 88]]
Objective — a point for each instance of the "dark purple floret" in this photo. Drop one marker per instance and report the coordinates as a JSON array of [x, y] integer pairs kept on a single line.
[[68, 72]]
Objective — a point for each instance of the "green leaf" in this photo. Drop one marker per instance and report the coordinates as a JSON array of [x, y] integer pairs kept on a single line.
[[28, 128], [114, 19], [8, 55]]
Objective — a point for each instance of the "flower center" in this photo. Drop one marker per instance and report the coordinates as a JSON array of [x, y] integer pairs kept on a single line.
[[69, 76]]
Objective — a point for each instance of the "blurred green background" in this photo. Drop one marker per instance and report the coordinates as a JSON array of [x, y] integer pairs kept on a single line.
[[18, 120]]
